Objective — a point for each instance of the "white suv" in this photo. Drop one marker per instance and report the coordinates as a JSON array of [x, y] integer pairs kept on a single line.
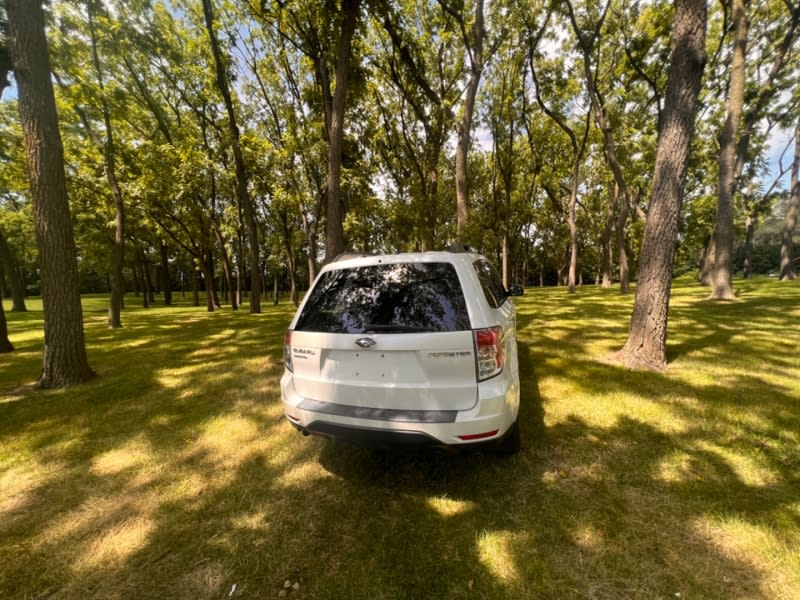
[[416, 348]]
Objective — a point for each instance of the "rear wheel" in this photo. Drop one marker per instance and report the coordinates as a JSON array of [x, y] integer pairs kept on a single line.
[[510, 444]]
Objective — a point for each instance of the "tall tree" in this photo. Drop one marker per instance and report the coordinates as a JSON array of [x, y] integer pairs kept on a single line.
[[415, 95], [728, 138], [578, 142], [788, 271], [242, 191], [473, 40], [647, 336], [5, 67], [334, 231], [64, 358], [109, 153], [589, 37]]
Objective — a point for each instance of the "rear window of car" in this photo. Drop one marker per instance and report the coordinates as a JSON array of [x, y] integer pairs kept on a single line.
[[491, 283], [390, 298]]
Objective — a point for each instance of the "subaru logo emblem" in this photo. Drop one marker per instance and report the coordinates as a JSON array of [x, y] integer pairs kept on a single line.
[[365, 342]]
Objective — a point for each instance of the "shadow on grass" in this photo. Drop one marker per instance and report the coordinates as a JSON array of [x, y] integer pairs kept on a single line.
[[175, 475]]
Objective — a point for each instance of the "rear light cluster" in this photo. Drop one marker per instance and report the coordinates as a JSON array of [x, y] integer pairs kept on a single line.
[[491, 356], [287, 351]]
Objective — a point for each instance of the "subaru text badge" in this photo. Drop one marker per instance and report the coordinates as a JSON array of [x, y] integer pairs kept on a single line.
[[365, 342]]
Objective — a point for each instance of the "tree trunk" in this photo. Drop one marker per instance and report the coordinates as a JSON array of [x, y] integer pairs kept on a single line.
[[573, 233], [64, 360], [750, 231], [208, 281], [788, 271], [242, 194], [334, 232], [607, 254], [226, 266], [311, 233], [5, 343], [647, 336], [506, 256], [166, 284], [195, 286], [723, 230], [622, 248], [148, 279], [140, 259], [707, 261], [15, 281], [291, 262], [240, 264]]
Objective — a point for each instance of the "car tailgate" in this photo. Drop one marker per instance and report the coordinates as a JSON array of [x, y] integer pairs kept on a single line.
[[392, 371]]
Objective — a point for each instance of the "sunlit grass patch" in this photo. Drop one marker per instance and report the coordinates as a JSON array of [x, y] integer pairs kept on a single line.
[[496, 552]]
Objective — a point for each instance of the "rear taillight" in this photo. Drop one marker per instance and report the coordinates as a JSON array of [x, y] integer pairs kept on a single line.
[[491, 354], [287, 351]]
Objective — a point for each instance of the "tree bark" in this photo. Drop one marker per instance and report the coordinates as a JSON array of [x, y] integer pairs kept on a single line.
[[64, 360], [788, 271], [334, 226], [242, 193], [722, 286], [647, 336]]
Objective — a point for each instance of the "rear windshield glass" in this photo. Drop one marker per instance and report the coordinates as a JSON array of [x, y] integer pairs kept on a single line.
[[391, 298]]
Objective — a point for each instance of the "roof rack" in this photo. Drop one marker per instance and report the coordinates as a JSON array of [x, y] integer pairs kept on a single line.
[[461, 247]]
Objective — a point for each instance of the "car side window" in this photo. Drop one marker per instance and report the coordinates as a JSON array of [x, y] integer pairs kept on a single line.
[[491, 283]]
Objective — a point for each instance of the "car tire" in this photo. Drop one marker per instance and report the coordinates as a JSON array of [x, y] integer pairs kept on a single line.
[[510, 444]]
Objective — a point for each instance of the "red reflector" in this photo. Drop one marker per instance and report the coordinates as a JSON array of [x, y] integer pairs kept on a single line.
[[478, 436]]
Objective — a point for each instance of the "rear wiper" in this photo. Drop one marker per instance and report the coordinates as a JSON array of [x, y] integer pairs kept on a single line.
[[376, 328]]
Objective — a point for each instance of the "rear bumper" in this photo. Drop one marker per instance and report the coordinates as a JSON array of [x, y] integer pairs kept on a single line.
[[369, 437], [486, 423]]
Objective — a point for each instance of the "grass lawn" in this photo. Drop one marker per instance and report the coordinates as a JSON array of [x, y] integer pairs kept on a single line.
[[174, 475]]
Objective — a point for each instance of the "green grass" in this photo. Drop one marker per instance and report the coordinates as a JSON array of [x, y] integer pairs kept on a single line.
[[174, 475]]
